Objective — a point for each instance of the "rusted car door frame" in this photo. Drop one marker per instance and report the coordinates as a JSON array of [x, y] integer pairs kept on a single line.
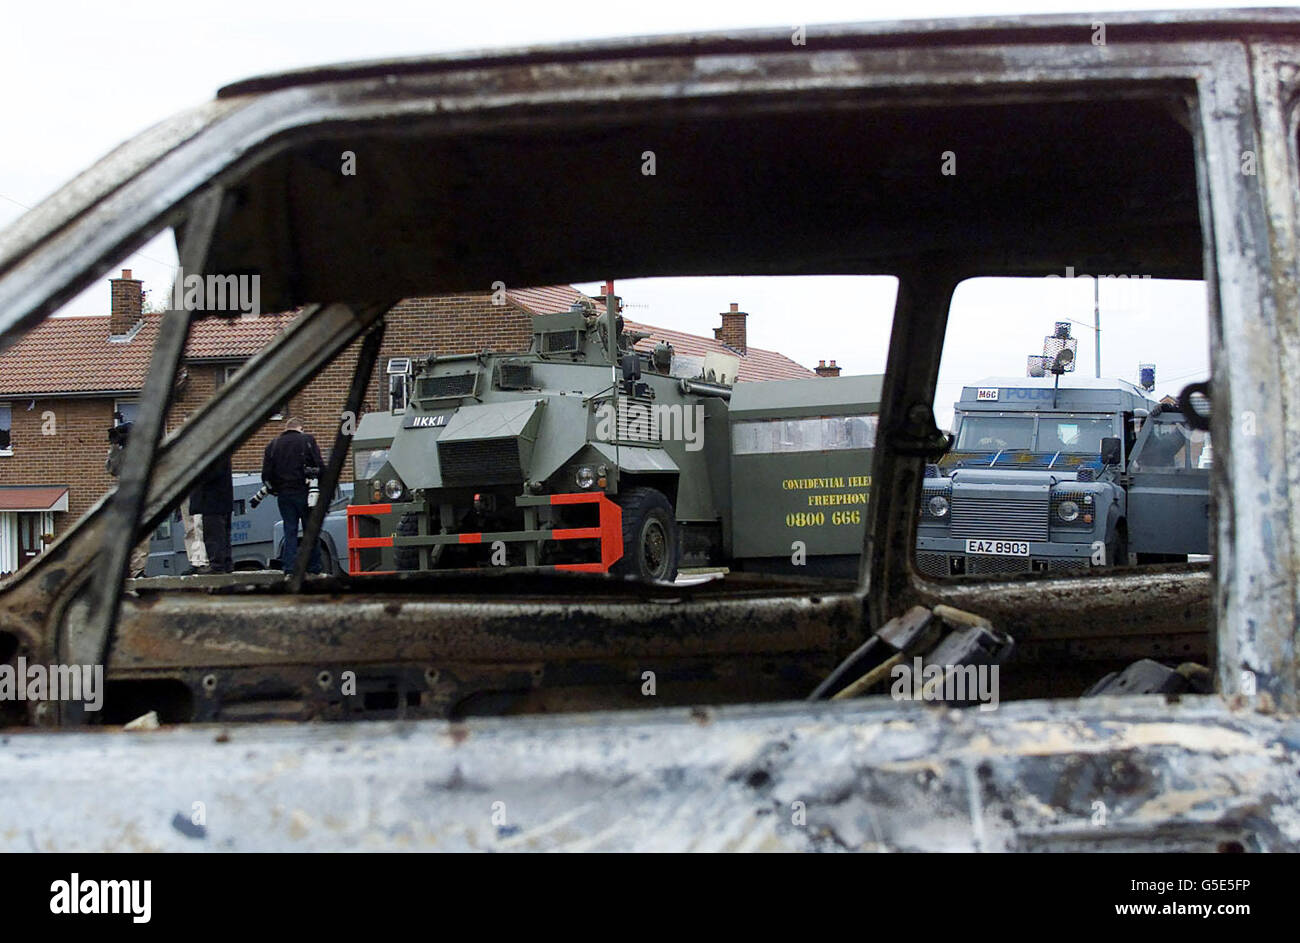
[[1255, 560]]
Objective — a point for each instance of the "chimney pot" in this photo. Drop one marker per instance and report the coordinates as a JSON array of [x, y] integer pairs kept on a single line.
[[126, 305], [732, 332]]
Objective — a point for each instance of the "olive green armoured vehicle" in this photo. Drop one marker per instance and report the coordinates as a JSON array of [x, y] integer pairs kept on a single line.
[[586, 454]]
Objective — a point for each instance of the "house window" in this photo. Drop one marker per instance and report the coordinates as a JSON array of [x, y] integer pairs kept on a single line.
[[6, 422], [128, 409], [224, 375]]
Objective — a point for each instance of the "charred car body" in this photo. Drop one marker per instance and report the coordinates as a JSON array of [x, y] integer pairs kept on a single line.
[[1157, 120]]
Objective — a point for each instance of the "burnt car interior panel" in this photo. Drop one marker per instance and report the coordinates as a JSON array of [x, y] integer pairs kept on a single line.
[[769, 161]]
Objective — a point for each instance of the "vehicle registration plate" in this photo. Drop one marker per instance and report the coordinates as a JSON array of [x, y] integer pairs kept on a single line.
[[1002, 548]]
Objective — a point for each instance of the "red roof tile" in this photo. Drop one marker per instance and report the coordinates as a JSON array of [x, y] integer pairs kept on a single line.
[[239, 337], [755, 364], [74, 355], [549, 300]]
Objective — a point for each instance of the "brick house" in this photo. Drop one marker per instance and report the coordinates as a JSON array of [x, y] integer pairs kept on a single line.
[[61, 385]]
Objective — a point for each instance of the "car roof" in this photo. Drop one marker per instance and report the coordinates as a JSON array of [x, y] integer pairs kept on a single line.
[[1001, 29]]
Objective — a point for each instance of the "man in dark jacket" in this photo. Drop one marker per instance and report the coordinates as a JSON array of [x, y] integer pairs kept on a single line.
[[290, 459], [118, 437], [214, 498]]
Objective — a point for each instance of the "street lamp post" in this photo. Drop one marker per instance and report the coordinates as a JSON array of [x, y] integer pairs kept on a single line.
[[1096, 318]]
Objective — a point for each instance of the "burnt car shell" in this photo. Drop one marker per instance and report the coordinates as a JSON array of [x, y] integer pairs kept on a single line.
[[445, 147]]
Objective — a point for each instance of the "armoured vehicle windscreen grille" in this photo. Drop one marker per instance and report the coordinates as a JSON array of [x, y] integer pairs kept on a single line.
[[556, 341], [446, 387], [514, 376], [999, 518], [480, 462]]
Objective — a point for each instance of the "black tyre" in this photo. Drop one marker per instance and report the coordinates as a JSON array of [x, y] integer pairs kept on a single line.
[[651, 544], [408, 558]]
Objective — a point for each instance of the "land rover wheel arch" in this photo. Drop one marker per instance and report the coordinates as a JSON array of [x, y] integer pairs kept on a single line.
[[651, 541], [1116, 541]]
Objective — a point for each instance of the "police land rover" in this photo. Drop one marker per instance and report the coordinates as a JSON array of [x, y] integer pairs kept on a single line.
[[1051, 476]]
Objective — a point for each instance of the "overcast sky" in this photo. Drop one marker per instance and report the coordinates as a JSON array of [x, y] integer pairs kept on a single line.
[[81, 77]]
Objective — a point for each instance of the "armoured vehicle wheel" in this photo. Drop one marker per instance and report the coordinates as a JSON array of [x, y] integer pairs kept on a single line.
[[651, 547], [408, 558]]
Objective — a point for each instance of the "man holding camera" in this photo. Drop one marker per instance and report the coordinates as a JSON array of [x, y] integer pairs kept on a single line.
[[291, 458]]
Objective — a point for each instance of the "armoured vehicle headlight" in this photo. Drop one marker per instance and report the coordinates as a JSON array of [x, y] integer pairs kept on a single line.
[[939, 506], [586, 476], [1068, 511], [393, 489]]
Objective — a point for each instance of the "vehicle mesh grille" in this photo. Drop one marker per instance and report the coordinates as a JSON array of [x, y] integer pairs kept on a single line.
[[1070, 565], [1077, 498], [932, 564], [557, 341], [480, 462], [446, 387], [979, 563], [514, 376], [943, 491], [1001, 518]]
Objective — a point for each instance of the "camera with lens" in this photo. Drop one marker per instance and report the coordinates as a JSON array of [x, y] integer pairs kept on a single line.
[[119, 434], [257, 499]]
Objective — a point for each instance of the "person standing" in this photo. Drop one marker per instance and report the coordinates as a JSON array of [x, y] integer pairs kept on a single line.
[[195, 551], [118, 437], [290, 459], [214, 499]]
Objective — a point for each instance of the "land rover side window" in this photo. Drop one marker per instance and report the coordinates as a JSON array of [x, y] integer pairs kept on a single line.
[[1069, 455], [1170, 444]]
